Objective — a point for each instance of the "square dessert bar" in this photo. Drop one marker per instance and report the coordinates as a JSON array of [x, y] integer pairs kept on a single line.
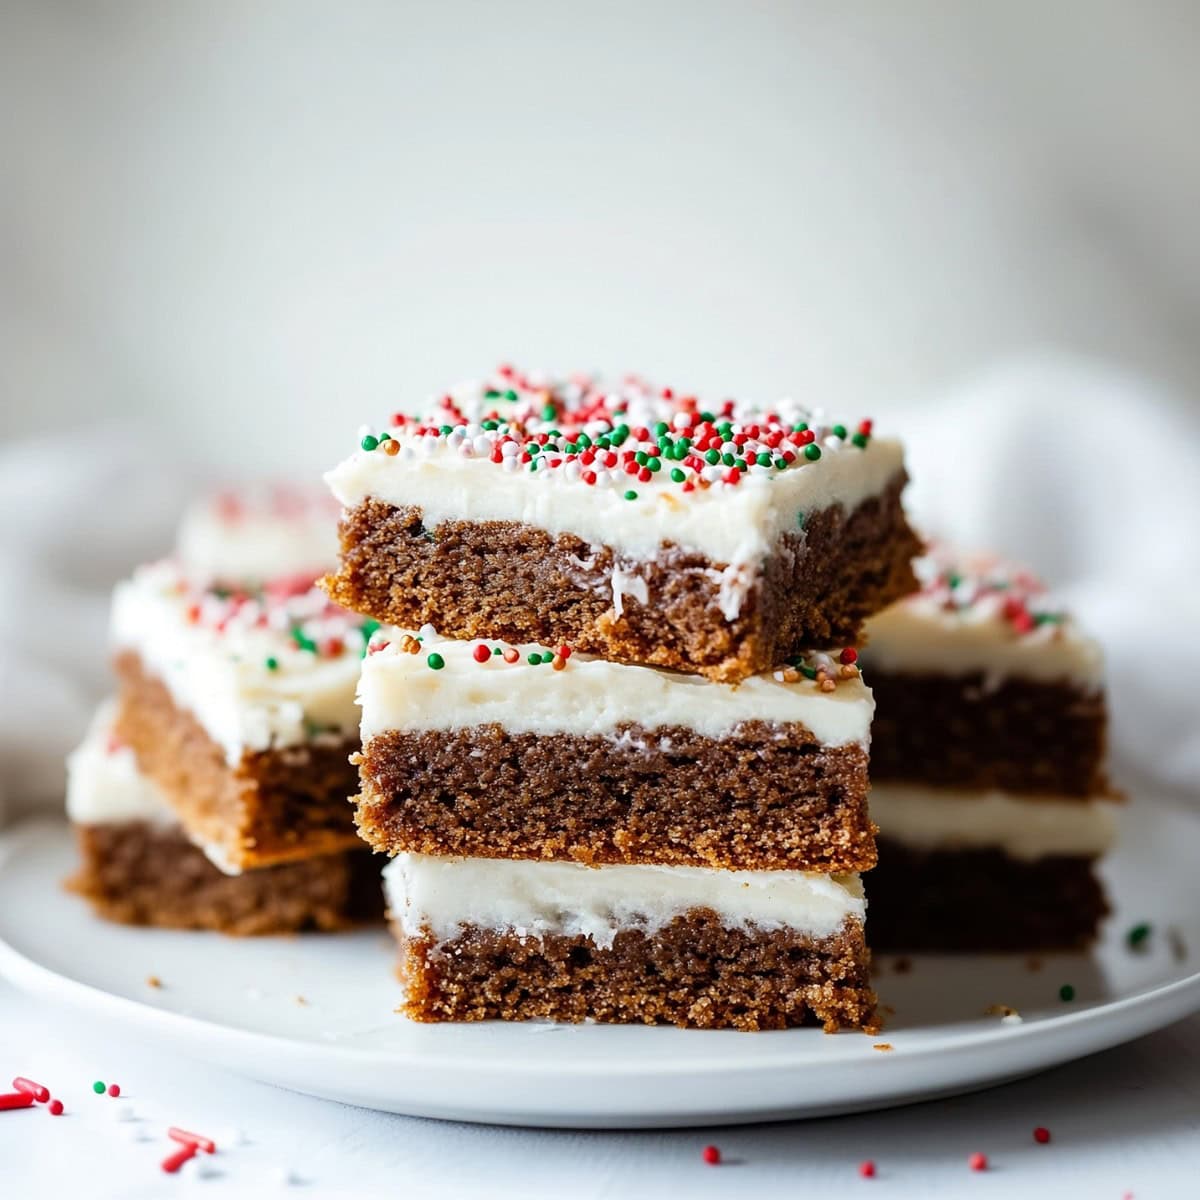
[[488, 939], [491, 750], [138, 866], [239, 705], [627, 522], [987, 764]]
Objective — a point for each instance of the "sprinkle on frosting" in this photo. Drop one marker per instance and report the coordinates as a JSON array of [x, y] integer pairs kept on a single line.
[[615, 436], [976, 586]]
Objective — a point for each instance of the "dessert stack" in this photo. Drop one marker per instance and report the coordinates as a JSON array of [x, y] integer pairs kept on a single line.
[[610, 739], [212, 793]]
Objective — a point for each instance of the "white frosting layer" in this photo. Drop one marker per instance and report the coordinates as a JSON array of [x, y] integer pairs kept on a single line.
[[104, 785], [980, 614], [738, 526], [219, 670], [536, 899], [399, 690], [948, 818], [251, 534]]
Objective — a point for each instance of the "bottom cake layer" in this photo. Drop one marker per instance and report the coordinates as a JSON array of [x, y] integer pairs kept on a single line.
[[148, 873], [484, 939], [981, 900]]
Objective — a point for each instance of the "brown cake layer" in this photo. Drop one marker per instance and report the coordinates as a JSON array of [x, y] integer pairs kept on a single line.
[[518, 583], [273, 806], [145, 874], [1021, 736], [694, 973], [767, 797], [980, 900]]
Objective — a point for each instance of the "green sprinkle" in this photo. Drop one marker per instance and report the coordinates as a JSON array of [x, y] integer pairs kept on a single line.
[[534, 659], [763, 459], [509, 394], [619, 434], [806, 671], [1066, 993], [549, 412], [367, 628], [812, 451], [707, 416], [740, 463], [496, 650], [800, 428], [712, 457], [492, 394], [725, 429], [302, 640], [661, 427], [384, 437], [583, 441], [370, 442], [1048, 618], [1137, 935], [781, 463], [653, 464], [684, 444], [447, 429], [272, 663], [799, 520], [839, 431], [99, 1088], [533, 449], [677, 476], [728, 459], [631, 494], [860, 440], [641, 458], [436, 662], [489, 425]]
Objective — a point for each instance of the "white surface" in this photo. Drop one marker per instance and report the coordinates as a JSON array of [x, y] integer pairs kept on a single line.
[[591, 696], [234, 1003], [429, 894]]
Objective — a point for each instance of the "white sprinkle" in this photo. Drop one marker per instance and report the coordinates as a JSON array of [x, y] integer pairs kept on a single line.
[[510, 450], [481, 444]]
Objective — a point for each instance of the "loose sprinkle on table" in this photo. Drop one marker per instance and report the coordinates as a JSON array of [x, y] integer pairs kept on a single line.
[[1066, 993], [867, 1169], [55, 1108], [978, 1162], [1041, 1135], [114, 1090], [1138, 935], [98, 1087], [39, 1092], [711, 1155]]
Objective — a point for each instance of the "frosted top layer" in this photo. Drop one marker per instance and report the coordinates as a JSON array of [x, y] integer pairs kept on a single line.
[[627, 466], [423, 682], [953, 819], [264, 668], [977, 613], [104, 785], [539, 899], [248, 535]]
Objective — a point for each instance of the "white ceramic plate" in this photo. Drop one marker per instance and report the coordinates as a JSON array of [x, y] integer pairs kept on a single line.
[[315, 1013]]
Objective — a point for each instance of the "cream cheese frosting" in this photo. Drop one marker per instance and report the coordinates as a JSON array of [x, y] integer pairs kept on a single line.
[[540, 899], [630, 467], [454, 685], [104, 785], [927, 818], [975, 613], [259, 670], [259, 532]]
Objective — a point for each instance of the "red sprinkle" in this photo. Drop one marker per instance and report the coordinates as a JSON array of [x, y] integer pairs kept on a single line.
[[511, 654], [867, 1169], [1041, 1135], [711, 1155], [978, 1162], [175, 1160], [15, 1100], [481, 653], [195, 1140], [564, 651], [114, 1089], [849, 655], [36, 1090], [55, 1108]]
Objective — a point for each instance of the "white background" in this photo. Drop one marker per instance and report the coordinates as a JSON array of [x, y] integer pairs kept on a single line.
[[237, 230]]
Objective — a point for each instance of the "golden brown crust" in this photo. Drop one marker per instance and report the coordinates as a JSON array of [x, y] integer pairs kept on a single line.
[[766, 797], [138, 873], [694, 973], [504, 580], [274, 806]]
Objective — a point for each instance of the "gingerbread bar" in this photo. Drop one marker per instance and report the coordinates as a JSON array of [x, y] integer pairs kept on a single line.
[[488, 939], [138, 867], [483, 749], [988, 776], [239, 705], [627, 522]]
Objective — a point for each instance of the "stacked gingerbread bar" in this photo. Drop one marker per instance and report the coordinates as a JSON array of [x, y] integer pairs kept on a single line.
[[213, 792], [617, 783], [988, 764]]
